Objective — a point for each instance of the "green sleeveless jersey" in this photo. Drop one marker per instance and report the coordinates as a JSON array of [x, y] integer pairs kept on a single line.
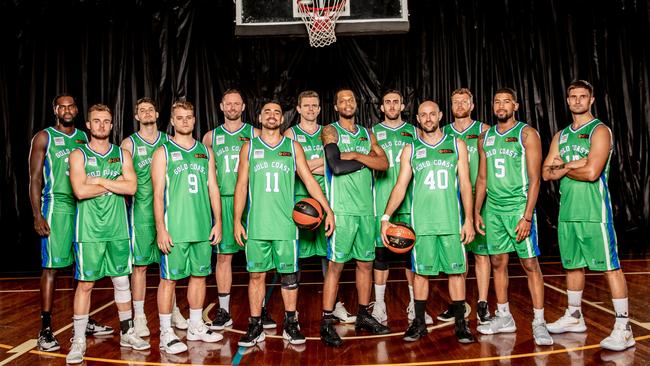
[[57, 195], [436, 207], [507, 175], [392, 141], [313, 147], [226, 146], [102, 218], [188, 214], [583, 201], [141, 208], [271, 185], [351, 194], [470, 136]]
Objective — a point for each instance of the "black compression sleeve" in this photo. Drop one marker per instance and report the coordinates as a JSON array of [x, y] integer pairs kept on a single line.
[[338, 166]]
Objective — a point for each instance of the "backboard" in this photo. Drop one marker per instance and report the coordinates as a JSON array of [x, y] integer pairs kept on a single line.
[[281, 17]]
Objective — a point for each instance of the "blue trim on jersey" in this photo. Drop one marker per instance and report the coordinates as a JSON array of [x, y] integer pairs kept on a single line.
[[608, 205], [77, 269], [48, 187], [182, 148], [44, 255], [610, 223], [533, 235], [102, 155], [496, 129], [163, 268]]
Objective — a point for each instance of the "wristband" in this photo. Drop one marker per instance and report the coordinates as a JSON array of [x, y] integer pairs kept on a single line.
[[529, 221], [385, 218]]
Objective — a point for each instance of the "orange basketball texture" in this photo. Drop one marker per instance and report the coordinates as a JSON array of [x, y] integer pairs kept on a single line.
[[307, 214], [401, 238]]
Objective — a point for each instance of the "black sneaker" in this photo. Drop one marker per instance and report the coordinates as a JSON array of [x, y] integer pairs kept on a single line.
[[46, 341], [95, 329], [267, 322], [368, 323], [221, 320], [483, 313], [415, 331], [328, 333], [292, 331], [463, 333], [447, 315], [254, 334]]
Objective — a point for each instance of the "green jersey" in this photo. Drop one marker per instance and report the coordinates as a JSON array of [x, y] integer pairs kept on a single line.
[[271, 184], [436, 207], [579, 200], [507, 174], [392, 140], [313, 147], [57, 193], [351, 194], [102, 218], [226, 146], [141, 208], [188, 214], [470, 136]]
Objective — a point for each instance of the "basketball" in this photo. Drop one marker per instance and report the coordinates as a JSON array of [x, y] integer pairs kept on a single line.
[[307, 214], [401, 238]]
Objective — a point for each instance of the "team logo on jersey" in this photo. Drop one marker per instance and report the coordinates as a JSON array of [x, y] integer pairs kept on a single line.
[[421, 153], [244, 138], [221, 139], [381, 135], [301, 138], [472, 136], [446, 151], [92, 161], [58, 141], [489, 141], [284, 153], [258, 154], [363, 139], [511, 139], [80, 142], [142, 151], [583, 136], [176, 156], [113, 160], [345, 139], [406, 134], [200, 156], [563, 139]]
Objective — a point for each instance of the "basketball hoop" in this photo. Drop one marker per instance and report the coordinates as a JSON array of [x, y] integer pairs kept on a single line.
[[320, 17]]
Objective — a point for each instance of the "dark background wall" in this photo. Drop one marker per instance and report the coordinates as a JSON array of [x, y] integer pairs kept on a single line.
[[114, 52]]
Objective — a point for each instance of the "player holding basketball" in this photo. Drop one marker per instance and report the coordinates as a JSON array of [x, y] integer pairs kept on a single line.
[[187, 210], [467, 129], [579, 157], [101, 175], [509, 169], [439, 167], [268, 167], [307, 134], [351, 152]]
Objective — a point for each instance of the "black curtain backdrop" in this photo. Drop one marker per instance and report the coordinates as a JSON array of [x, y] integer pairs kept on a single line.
[[115, 52]]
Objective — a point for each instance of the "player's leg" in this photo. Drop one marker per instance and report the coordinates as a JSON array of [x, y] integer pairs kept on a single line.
[[259, 259], [200, 268], [145, 252], [173, 266], [285, 260], [223, 268], [418, 329], [536, 288], [81, 309], [482, 269], [380, 274]]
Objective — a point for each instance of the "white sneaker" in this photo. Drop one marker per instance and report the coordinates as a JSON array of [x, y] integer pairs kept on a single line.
[[620, 338], [540, 334], [410, 314], [568, 323], [200, 332], [130, 339], [140, 325], [499, 324], [379, 311], [170, 343], [77, 351], [342, 314], [178, 320]]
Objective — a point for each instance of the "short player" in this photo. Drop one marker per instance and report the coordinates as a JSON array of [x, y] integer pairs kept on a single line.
[[101, 175], [579, 157]]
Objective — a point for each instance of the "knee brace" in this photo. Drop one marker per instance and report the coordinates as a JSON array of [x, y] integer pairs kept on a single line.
[[289, 281], [381, 260], [122, 289]]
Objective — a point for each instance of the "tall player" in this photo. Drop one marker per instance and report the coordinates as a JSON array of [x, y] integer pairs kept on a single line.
[[269, 164], [351, 152], [509, 168], [307, 134], [226, 141], [101, 175], [53, 207], [439, 166], [392, 135], [579, 157], [187, 210], [141, 145], [468, 129]]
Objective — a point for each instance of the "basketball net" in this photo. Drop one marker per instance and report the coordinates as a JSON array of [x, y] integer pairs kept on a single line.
[[320, 17]]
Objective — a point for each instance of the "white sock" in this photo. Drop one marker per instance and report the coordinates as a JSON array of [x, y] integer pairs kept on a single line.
[[196, 316], [124, 315], [504, 309], [380, 290], [538, 314], [80, 322], [411, 293], [174, 306], [575, 301], [165, 321], [224, 302], [621, 310], [138, 307]]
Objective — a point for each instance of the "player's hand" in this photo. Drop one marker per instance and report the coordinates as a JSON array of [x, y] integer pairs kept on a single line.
[[576, 164], [467, 232], [522, 229], [384, 227], [164, 241], [240, 234], [215, 234], [41, 226], [330, 225], [479, 224], [350, 155]]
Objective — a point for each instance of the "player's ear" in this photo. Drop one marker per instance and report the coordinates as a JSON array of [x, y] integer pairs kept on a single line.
[[401, 107], [138, 118], [157, 116], [440, 116], [336, 108], [298, 109], [381, 108], [243, 107], [221, 106], [516, 106]]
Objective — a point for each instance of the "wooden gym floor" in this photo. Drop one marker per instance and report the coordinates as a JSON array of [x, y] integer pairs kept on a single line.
[[19, 324]]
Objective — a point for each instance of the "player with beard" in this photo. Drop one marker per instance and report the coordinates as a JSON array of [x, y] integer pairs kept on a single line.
[[268, 168], [439, 168], [101, 176], [141, 145], [509, 174], [53, 206], [579, 157]]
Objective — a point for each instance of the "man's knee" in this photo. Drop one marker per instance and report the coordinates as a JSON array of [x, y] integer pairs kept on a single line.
[[289, 281], [122, 289], [381, 259]]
